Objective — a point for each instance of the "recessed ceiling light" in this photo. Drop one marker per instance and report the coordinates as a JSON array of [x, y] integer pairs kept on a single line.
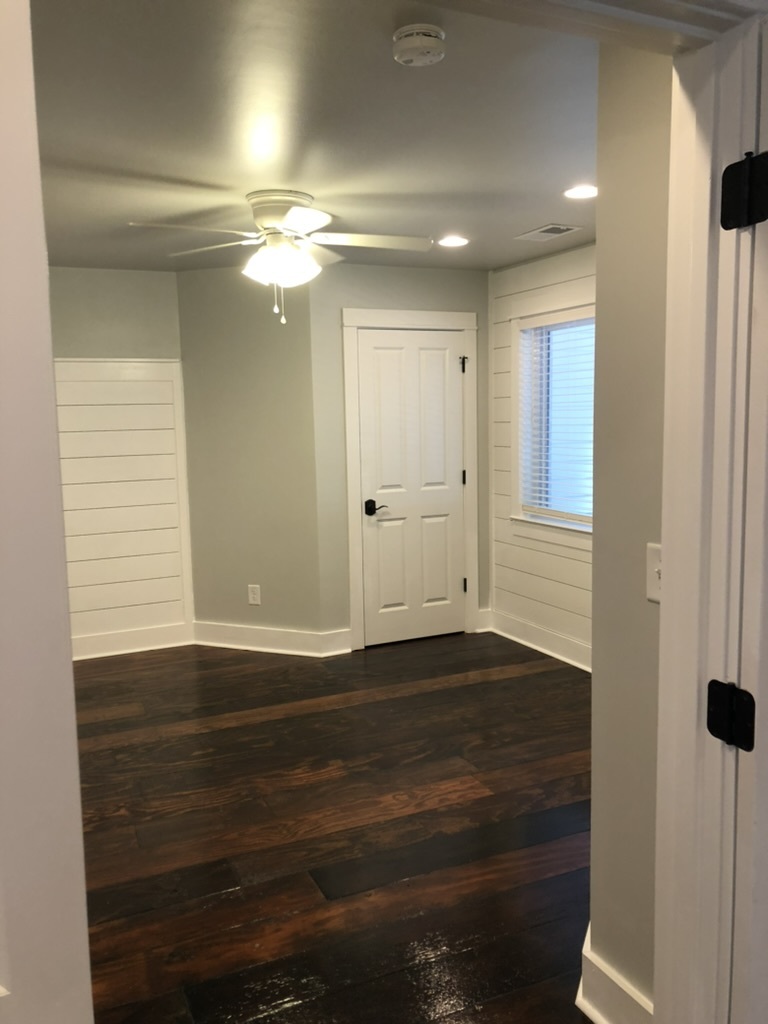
[[581, 192], [453, 241]]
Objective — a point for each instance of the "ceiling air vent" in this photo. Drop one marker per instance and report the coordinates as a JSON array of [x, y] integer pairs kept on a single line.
[[547, 233]]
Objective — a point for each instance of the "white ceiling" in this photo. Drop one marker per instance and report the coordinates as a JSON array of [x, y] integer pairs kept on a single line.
[[172, 110]]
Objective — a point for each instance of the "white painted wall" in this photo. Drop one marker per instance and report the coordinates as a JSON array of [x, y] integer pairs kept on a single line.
[[633, 172], [542, 574], [43, 938]]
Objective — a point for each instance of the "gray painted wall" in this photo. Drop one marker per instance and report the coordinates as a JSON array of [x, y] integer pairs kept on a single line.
[[633, 161], [250, 451], [114, 314], [366, 287], [264, 405]]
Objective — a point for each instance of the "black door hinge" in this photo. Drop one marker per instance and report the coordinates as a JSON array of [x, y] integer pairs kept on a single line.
[[463, 361], [464, 476], [465, 584], [744, 193], [731, 714]]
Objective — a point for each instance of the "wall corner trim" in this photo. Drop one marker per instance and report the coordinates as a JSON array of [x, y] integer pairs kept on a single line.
[[605, 995], [273, 641], [483, 622]]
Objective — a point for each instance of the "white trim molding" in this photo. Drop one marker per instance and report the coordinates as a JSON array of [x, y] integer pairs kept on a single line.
[[273, 641], [606, 996], [556, 645], [130, 641]]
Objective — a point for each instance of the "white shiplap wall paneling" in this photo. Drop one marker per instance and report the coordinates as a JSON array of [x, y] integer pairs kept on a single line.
[[126, 467], [118, 443], [542, 575], [125, 500]]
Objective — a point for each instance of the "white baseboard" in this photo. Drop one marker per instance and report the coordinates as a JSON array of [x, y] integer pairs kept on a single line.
[[573, 652], [309, 644], [129, 641], [606, 996], [274, 641]]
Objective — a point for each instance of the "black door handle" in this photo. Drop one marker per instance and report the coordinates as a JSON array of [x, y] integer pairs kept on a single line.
[[371, 508]]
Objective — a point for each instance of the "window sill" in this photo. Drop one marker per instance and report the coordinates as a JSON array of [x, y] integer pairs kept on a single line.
[[554, 524]]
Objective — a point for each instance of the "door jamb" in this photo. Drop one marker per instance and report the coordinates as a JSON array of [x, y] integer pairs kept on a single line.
[[703, 377], [408, 319]]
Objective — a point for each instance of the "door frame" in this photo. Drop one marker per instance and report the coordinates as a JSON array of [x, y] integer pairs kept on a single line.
[[422, 320], [707, 407]]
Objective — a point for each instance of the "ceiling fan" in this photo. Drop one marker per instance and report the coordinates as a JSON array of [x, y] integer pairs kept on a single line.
[[290, 243]]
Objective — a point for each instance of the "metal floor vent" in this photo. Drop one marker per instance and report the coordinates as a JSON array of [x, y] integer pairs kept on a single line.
[[547, 233]]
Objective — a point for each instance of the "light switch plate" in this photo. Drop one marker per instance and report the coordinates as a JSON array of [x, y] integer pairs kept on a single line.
[[653, 572]]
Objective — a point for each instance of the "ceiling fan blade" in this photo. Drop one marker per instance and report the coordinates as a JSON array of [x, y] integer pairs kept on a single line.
[[409, 242], [191, 227], [325, 257], [223, 245], [305, 219]]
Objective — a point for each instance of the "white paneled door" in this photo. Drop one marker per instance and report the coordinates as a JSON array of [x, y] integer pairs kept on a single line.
[[411, 455]]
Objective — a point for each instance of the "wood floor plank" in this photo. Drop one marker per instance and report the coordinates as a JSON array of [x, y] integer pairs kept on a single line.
[[348, 877], [431, 990], [196, 919], [437, 791], [271, 940], [418, 942], [312, 705], [160, 891]]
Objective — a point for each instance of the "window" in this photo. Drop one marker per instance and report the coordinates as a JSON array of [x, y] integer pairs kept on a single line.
[[557, 370]]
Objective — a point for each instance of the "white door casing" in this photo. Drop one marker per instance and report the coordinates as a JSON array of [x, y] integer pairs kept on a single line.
[[713, 537], [411, 430], [749, 987]]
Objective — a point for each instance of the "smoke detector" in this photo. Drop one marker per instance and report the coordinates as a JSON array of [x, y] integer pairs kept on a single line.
[[418, 45]]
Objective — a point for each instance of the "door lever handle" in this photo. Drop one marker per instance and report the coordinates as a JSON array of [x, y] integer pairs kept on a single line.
[[371, 508]]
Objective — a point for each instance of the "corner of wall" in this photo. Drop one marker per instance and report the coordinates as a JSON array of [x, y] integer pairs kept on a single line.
[[606, 996]]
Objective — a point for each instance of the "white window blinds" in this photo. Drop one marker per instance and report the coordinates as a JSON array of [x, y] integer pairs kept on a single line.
[[557, 370]]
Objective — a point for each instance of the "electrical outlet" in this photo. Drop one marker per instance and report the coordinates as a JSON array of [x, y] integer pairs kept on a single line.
[[254, 593]]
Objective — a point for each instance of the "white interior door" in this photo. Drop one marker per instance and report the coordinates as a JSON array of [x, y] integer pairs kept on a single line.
[[411, 469]]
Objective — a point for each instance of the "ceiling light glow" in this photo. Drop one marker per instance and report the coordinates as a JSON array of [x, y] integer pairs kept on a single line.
[[280, 262], [581, 192], [453, 241]]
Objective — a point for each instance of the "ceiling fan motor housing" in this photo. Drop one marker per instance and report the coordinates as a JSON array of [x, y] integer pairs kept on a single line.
[[418, 45], [271, 205]]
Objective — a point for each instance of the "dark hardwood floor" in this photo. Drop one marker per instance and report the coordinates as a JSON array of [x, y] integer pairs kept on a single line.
[[396, 835]]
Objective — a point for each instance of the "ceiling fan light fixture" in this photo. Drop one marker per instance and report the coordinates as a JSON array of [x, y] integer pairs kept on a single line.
[[281, 262], [453, 241]]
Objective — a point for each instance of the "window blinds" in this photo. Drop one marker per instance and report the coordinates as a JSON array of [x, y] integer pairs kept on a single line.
[[557, 369]]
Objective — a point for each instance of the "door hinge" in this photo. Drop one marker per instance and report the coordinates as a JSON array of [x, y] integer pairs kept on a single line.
[[465, 584], [731, 714], [744, 192], [464, 476], [463, 361]]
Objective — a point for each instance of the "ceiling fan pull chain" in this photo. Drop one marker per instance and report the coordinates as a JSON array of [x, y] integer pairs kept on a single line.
[[282, 304], [275, 308]]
